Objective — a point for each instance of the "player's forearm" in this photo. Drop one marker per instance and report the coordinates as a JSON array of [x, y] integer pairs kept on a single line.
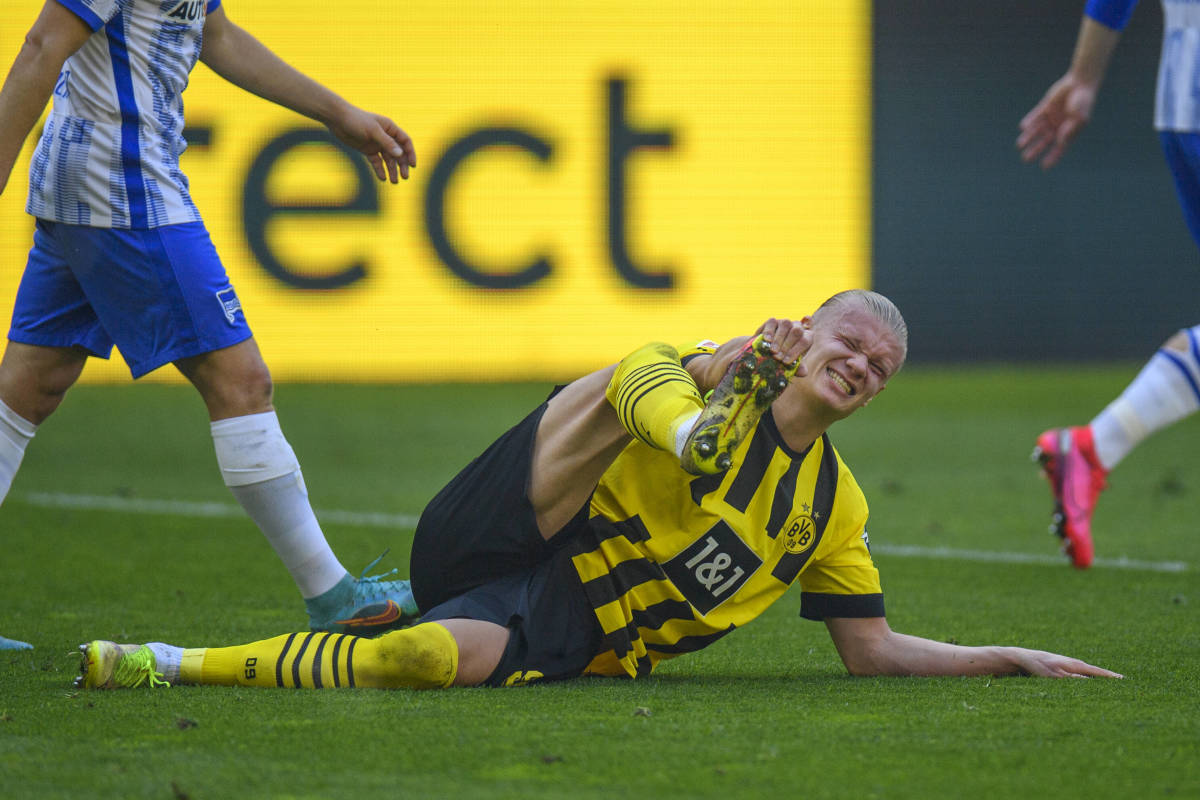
[[898, 654], [26, 90], [1093, 51], [244, 61]]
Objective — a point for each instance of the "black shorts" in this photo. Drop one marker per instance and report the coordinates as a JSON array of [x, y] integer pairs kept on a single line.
[[478, 554]]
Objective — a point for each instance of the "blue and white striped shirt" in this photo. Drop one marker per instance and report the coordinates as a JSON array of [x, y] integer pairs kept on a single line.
[[109, 153], [1177, 99]]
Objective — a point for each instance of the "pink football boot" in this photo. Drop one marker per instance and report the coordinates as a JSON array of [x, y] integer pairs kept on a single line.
[[1068, 460]]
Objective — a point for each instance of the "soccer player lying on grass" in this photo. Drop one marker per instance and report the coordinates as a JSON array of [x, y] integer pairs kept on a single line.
[[624, 522]]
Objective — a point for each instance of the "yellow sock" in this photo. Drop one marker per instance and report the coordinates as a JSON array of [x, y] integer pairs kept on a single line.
[[654, 395], [421, 657]]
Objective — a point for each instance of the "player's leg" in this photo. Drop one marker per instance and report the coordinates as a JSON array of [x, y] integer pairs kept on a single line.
[[53, 330], [1076, 461], [258, 465], [656, 399], [1168, 388], [432, 655], [1166, 391], [650, 396], [164, 297], [33, 381], [577, 439], [260, 469]]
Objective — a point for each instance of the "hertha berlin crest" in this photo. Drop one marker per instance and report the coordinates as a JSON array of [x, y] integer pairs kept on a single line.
[[229, 303], [799, 534]]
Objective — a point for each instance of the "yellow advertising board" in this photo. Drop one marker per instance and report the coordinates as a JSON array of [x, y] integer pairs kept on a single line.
[[592, 174]]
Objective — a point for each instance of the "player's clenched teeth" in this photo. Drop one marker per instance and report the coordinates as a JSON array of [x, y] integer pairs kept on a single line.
[[840, 381]]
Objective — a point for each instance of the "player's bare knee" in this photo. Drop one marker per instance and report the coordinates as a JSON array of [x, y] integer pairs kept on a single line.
[[33, 404], [35, 389], [235, 392], [46, 403], [480, 648], [255, 388]]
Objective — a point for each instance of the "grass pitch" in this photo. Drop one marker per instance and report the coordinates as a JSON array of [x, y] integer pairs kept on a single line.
[[118, 527]]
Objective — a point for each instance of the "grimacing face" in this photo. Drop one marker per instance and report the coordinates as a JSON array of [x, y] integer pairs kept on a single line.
[[853, 355]]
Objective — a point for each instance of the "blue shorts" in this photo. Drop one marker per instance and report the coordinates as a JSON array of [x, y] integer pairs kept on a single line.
[[1182, 151], [159, 294]]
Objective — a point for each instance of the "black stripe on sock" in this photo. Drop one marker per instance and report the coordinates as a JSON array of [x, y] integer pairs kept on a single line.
[[279, 661], [636, 381], [316, 668], [629, 402], [296, 662], [337, 673], [350, 662], [648, 372], [641, 382]]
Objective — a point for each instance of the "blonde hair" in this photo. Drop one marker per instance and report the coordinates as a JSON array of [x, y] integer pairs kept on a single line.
[[882, 308]]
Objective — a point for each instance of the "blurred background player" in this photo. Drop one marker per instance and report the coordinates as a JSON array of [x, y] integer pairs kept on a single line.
[[121, 255], [1077, 460]]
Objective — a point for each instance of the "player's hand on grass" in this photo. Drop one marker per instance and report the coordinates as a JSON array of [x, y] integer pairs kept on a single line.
[[1052, 665], [383, 142], [789, 340]]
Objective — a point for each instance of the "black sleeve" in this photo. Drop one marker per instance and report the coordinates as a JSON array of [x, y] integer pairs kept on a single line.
[[818, 605]]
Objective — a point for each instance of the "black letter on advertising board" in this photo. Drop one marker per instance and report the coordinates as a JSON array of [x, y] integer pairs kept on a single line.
[[435, 208], [258, 210], [623, 140]]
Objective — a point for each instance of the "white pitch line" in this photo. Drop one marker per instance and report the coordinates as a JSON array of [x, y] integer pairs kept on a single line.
[[185, 508], [373, 519], [916, 551]]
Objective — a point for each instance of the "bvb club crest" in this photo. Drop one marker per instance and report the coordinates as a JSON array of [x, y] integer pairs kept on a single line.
[[799, 534]]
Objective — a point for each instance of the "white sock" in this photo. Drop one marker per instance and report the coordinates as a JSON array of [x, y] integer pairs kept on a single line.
[[15, 434], [167, 659], [683, 431], [261, 471], [1164, 392]]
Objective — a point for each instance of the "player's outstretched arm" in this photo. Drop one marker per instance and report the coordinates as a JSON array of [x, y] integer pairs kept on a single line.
[[56, 34], [1050, 127], [869, 646], [244, 61]]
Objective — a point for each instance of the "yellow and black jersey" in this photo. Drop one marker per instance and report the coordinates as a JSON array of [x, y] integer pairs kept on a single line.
[[672, 562]]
